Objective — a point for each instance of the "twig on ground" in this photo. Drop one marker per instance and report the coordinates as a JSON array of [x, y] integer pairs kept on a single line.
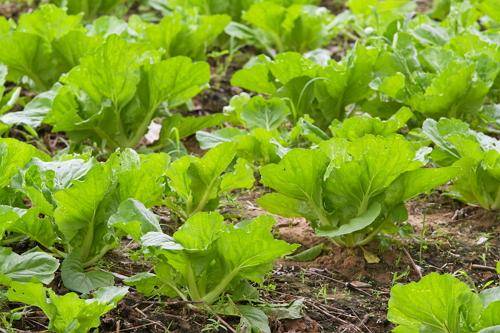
[[223, 322], [416, 267], [137, 327], [361, 322], [483, 267], [145, 317], [326, 313]]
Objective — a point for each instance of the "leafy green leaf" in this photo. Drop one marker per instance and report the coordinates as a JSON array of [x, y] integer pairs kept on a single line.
[[196, 183], [437, 303], [356, 127], [295, 28], [344, 190], [213, 258], [117, 109], [241, 177], [186, 33], [379, 14], [30, 223], [67, 313], [34, 112], [27, 267], [76, 278], [45, 44], [254, 78], [14, 155], [134, 219], [358, 223], [475, 155], [261, 113], [76, 213], [87, 210], [89, 8]]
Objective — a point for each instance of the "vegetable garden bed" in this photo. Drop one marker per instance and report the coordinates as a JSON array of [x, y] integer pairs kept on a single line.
[[249, 166]]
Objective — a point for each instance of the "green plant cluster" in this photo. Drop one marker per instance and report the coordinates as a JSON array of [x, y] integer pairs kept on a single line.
[[409, 105]]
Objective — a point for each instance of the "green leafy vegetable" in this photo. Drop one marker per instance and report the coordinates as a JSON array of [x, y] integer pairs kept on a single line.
[[91, 9], [34, 112], [350, 190], [87, 210], [67, 313], [475, 154], [14, 155], [234, 8], [45, 44], [442, 303], [195, 184], [206, 259], [379, 14], [113, 95], [28, 267], [321, 91], [276, 28], [19, 223], [186, 33], [7, 99], [359, 126]]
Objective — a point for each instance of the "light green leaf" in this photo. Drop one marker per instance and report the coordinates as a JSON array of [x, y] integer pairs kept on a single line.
[[175, 80], [297, 27], [250, 248], [49, 22], [32, 225], [418, 181], [240, 177], [298, 176], [67, 313], [200, 231], [359, 126], [358, 223], [196, 182], [139, 176], [352, 184], [76, 278], [437, 301], [27, 267], [284, 205], [453, 92], [34, 112], [209, 140], [186, 33], [252, 318], [208, 257], [254, 78], [267, 114], [134, 219], [25, 54], [14, 155], [77, 205], [150, 284]]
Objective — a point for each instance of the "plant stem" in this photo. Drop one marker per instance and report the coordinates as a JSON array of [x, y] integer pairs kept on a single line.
[[191, 281], [213, 295], [141, 130], [201, 204], [88, 240], [98, 257]]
